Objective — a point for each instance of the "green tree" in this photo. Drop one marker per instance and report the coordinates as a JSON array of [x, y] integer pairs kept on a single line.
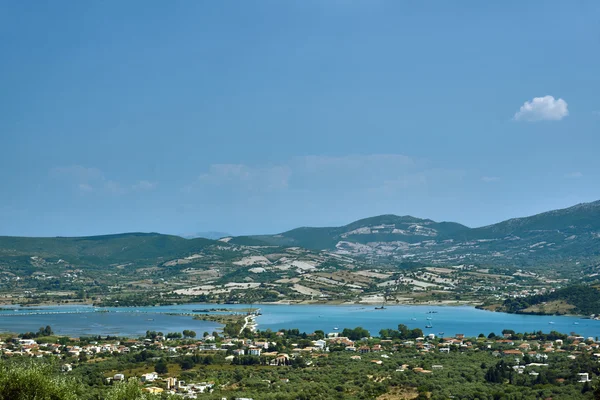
[[35, 381], [129, 390], [161, 366], [356, 333], [188, 333], [596, 387]]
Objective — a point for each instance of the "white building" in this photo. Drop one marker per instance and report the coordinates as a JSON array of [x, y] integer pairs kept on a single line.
[[254, 351], [149, 377], [583, 377], [118, 377]]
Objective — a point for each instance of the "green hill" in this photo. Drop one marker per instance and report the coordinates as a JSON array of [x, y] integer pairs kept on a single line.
[[101, 250], [561, 236], [581, 219], [383, 228], [574, 299], [557, 236]]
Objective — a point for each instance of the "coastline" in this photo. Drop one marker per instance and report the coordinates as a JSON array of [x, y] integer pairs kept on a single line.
[[367, 303], [453, 317]]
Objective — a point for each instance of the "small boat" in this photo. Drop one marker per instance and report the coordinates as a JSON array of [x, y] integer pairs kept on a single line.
[[551, 322], [440, 333], [336, 328], [575, 323], [428, 326], [429, 318], [380, 308], [413, 319]]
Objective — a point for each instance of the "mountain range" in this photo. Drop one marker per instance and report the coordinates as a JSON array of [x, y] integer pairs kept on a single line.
[[557, 235], [560, 236]]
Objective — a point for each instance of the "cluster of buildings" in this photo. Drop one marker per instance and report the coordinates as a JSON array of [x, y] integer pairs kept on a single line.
[[30, 347], [170, 385], [530, 353]]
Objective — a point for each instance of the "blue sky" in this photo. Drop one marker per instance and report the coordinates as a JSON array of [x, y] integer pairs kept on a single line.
[[261, 116]]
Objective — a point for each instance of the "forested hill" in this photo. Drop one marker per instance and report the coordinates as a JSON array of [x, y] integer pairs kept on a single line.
[[575, 299], [567, 235], [100, 250], [559, 237]]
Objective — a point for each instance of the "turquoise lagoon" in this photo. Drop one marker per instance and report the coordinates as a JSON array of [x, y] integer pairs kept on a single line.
[[135, 321]]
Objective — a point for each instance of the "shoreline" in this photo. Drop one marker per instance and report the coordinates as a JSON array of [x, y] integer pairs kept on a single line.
[[252, 321], [453, 303]]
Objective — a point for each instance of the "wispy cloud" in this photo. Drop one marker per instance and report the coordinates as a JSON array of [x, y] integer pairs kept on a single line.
[[92, 180], [144, 185], [545, 108], [256, 178], [489, 179], [351, 174], [84, 187], [574, 175]]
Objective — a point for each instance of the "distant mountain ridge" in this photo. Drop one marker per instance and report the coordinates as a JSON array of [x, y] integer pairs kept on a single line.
[[560, 234], [100, 250], [567, 235], [382, 228]]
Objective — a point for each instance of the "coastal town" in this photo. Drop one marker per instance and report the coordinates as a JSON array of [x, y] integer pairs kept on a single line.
[[163, 363]]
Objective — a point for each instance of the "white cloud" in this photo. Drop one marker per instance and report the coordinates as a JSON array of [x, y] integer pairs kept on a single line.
[[144, 185], [351, 175], [243, 176], [92, 180], [84, 187], [574, 175], [113, 187], [545, 108], [490, 179]]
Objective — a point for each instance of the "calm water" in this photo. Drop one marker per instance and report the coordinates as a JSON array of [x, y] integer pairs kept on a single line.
[[128, 321], [83, 321]]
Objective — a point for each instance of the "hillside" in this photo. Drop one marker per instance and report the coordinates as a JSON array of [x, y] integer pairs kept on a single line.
[[397, 258], [383, 228], [564, 236], [100, 250], [558, 236], [575, 299]]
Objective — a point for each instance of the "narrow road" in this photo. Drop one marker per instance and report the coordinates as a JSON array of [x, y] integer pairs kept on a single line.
[[247, 319]]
